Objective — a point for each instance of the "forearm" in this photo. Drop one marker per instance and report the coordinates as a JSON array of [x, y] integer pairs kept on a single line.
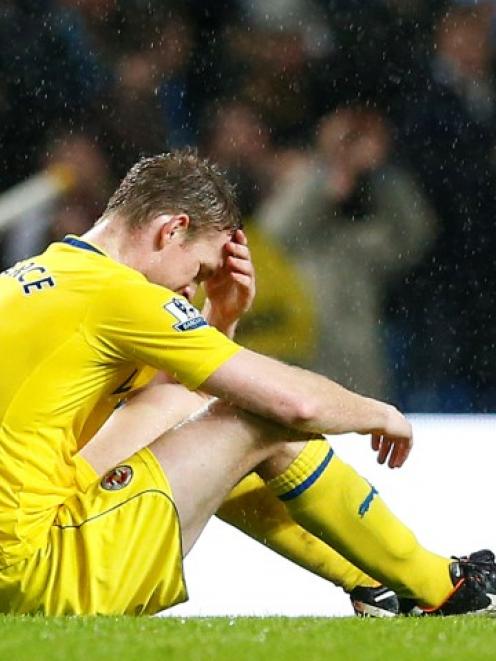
[[336, 410], [295, 397], [328, 408]]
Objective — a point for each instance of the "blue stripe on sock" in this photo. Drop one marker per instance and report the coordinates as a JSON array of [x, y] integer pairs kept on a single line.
[[364, 507], [310, 480]]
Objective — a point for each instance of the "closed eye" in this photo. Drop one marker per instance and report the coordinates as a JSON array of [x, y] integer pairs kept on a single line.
[[204, 273]]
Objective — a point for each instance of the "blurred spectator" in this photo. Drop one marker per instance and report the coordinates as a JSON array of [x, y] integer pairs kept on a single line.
[[147, 110], [77, 210], [85, 28], [382, 48], [450, 131], [147, 73], [304, 17], [43, 79], [82, 153], [240, 142], [281, 322], [131, 121], [463, 63], [283, 319], [354, 222], [74, 215], [273, 70], [173, 61]]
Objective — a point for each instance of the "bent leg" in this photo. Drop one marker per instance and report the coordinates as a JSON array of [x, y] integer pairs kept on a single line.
[[330, 499], [251, 507], [205, 458]]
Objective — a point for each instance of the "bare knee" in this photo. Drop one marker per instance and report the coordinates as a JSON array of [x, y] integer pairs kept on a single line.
[[272, 446], [262, 431], [282, 454]]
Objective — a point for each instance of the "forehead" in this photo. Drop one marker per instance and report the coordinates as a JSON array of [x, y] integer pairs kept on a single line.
[[213, 242]]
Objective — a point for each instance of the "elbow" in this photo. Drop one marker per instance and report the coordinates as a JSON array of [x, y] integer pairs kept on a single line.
[[299, 413]]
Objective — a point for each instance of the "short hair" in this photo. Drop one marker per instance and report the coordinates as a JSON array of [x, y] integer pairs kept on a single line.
[[176, 182]]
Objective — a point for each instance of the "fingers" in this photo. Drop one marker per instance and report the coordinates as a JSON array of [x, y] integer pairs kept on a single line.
[[239, 237], [243, 280], [384, 448], [396, 451], [240, 265], [239, 250], [399, 455], [394, 440], [239, 258], [376, 439]]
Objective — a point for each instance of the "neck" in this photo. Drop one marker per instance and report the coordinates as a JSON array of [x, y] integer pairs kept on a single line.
[[113, 240]]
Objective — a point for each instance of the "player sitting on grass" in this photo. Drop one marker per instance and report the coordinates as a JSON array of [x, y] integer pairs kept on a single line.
[[92, 319]]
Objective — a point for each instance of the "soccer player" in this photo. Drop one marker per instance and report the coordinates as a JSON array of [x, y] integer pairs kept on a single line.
[[92, 319]]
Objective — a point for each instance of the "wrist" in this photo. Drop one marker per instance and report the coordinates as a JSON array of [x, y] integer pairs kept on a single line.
[[225, 326], [219, 321], [378, 415]]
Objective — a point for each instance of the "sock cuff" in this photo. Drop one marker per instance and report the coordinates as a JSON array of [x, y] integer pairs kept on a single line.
[[303, 471]]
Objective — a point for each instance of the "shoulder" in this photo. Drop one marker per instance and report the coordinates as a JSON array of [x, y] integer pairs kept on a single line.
[[130, 294]]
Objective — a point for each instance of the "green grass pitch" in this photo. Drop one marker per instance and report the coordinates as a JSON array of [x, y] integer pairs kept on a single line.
[[246, 639]]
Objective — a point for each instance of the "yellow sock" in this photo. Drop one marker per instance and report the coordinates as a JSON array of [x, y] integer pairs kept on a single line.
[[329, 498], [253, 508]]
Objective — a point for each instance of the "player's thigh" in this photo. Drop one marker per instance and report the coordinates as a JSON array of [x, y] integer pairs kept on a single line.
[[206, 456], [202, 459], [148, 414], [113, 549]]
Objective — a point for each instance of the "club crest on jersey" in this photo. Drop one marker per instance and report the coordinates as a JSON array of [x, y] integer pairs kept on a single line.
[[117, 478], [188, 317]]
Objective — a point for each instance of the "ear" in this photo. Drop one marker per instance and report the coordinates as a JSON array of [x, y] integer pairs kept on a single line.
[[172, 228]]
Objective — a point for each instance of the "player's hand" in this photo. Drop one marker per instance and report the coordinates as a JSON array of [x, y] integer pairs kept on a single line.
[[230, 292], [395, 440]]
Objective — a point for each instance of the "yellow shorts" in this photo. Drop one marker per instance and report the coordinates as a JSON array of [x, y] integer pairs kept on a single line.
[[113, 548]]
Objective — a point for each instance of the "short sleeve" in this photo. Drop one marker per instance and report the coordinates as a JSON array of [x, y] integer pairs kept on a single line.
[[141, 322]]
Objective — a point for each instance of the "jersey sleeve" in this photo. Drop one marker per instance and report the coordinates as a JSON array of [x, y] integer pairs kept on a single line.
[[144, 323]]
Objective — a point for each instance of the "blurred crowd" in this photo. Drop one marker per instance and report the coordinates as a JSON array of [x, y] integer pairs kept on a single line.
[[361, 137]]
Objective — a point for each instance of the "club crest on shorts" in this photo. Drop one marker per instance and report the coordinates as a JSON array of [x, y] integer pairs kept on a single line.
[[117, 478]]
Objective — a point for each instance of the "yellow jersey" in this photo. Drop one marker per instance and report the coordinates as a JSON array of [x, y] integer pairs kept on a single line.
[[78, 331]]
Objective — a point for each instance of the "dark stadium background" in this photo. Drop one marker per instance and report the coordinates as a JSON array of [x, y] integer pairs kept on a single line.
[[98, 83]]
